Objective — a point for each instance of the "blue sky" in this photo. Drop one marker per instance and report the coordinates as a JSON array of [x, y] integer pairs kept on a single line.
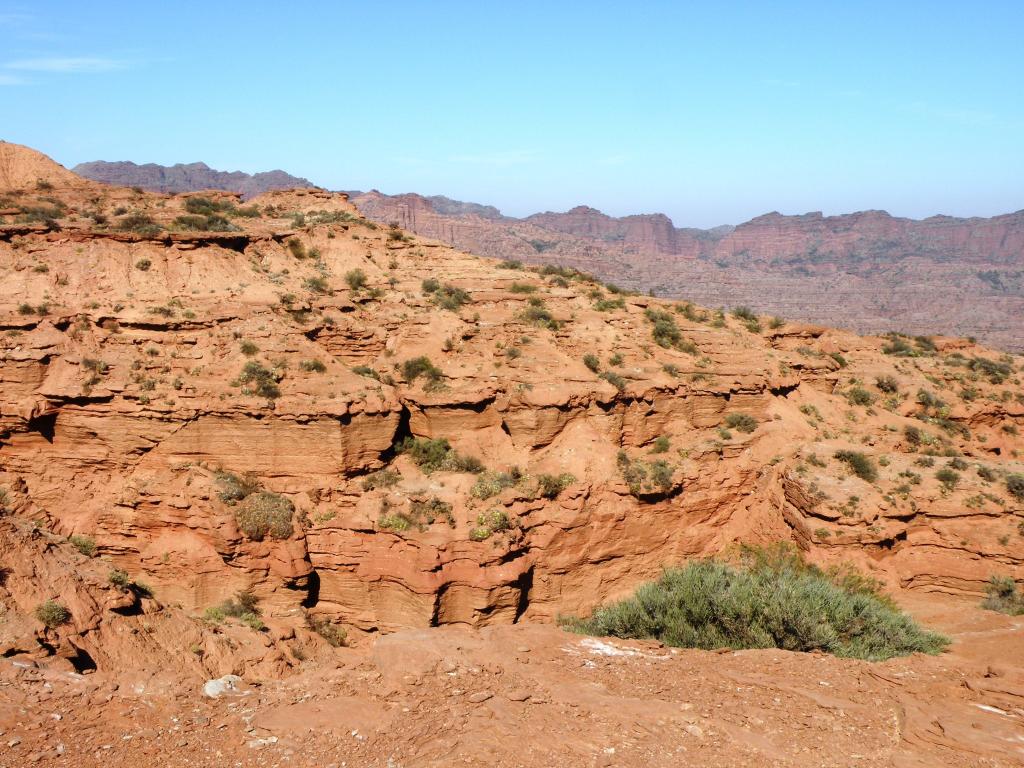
[[712, 112]]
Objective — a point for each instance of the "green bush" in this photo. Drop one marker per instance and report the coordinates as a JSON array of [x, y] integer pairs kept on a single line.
[[948, 477], [608, 305], [1015, 486], [490, 484], [248, 348], [422, 513], [488, 524], [436, 454], [643, 478], [316, 285], [1002, 596], [143, 265], [233, 488], [244, 606], [451, 298], [356, 279], [661, 445], [665, 331], [334, 635], [52, 613], [83, 544], [421, 366], [522, 288], [263, 381], [744, 313], [614, 379], [382, 478], [742, 422], [550, 486], [537, 314], [776, 604], [859, 396], [119, 579], [862, 466], [592, 361], [263, 513], [887, 384], [312, 366], [139, 223], [430, 285]]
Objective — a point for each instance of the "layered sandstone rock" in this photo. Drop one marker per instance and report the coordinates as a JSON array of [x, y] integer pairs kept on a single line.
[[144, 369]]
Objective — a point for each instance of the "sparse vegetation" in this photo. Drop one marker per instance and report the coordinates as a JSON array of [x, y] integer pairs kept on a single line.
[[83, 544], [335, 636], [383, 478], [646, 478], [421, 366], [1002, 596], [551, 486], [614, 379], [741, 422], [887, 384], [490, 484], [592, 361], [767, 600], [52, 614], [860, 464], [261, 380], [312, 366], [488, 524], [355, 279], [143, 265], [948, 477], [261, 514], [437, 455]]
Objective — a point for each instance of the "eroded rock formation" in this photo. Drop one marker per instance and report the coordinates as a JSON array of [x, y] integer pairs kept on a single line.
[[157, 377]]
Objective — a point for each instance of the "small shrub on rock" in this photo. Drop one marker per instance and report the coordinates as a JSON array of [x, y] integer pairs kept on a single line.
[[550, 486], [263, 514], [1002, 596], [741, 422], [862, 466], [52, 613], [83, 544], [437, 455]]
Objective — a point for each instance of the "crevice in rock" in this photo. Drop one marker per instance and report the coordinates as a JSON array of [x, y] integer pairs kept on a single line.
[[784, 391], [890, 543], [525, 584], [82, 661], [312, 590], [45, 425]]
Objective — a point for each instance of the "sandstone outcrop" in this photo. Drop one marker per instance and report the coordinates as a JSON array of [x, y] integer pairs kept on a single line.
[[155, 376]]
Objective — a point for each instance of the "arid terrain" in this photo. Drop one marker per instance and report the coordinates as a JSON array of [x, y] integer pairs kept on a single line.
[[411, 461], [868, 271]]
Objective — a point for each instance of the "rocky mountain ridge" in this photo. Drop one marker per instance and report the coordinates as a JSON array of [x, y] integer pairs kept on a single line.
[[187, 177], [869, 271]]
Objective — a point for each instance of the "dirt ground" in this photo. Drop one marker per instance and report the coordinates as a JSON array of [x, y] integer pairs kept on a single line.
[[533, 695]]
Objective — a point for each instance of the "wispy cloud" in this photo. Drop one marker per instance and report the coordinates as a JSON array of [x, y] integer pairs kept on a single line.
[[498, 159], [66, 65], [11, 80], [953, 114]]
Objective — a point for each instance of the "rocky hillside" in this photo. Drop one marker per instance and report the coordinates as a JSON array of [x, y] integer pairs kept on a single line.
[[187, 177], [361, 430], [870, 272]]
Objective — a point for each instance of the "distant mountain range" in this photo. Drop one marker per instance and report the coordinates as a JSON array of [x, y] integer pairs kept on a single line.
[[868, 271], [190, 177]]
